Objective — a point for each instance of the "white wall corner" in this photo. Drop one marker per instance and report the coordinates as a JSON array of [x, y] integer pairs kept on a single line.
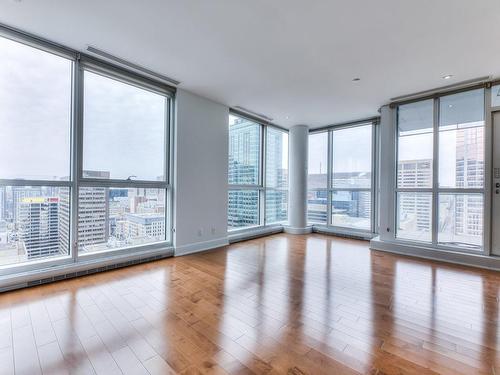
[[200, 246]]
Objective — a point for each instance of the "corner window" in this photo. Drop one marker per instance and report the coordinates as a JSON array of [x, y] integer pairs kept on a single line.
[[257, 174], [340, 178]]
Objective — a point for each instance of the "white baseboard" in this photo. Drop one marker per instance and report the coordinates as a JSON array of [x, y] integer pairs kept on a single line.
[[200, 246], [465, 259], [295, 230]]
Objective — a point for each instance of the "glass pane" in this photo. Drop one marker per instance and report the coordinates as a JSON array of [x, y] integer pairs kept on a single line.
[[352, 209], [414, 216], [352, 157], [113, 218], [34, 223], [461, 220], [276, 206], [495, 96], [317, 161], [316, 206], [415, 138], [124, 130], [243, 209], [35, 113], [461, 140], [244, 151], [276, 158]]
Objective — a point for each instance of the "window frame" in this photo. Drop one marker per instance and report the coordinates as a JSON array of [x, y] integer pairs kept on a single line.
[[435, 190], [330, 189], [96, 67], [261, 186], [81, 62]]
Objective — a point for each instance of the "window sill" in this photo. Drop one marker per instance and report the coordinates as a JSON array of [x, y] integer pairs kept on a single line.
[[254, 232], [343, 232], [445, 255]]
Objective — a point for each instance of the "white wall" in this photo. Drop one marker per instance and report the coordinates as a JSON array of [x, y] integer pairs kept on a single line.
[[200, 192]]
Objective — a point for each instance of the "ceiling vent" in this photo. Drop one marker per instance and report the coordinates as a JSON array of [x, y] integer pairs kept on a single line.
[[438, 90], [256, 114], [137, 68]]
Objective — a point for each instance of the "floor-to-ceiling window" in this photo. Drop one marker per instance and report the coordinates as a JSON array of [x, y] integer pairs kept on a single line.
[[257, 174], [84, 158], [440, 171], [317, 178], [276, 176], [35, 153], [341, 178], [122, 196]]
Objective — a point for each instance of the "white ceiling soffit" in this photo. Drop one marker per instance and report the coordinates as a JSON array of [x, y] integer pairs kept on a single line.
[[293, 61]]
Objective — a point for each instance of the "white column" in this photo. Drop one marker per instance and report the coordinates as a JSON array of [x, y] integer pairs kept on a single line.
[[298, 141], [386, 173]]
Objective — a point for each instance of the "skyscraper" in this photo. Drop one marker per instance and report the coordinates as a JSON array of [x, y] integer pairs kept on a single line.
[[38, 226], [244, 154], [93, 214], [145, 227], [415, 209], [469, 174]]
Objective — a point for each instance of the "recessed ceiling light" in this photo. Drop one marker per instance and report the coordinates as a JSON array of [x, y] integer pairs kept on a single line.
[[356, 79], [448, 76], [450, 105]]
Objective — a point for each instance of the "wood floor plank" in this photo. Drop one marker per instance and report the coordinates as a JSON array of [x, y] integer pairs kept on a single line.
[[281, 304]]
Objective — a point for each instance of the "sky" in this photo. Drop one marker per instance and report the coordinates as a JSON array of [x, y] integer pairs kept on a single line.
[[351, 150], [35, 94], [123, 125]]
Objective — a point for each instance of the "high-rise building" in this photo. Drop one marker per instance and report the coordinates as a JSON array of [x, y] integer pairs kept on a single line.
[[415, 173], [93, 213], [316, 206], [145, 227], [38, 226], [415, 209], [469, 174], [18, 194], [64, 220], [244, 154], [243, 208]]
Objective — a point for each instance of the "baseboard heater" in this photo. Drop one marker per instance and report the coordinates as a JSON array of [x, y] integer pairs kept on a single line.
[[71, 275]]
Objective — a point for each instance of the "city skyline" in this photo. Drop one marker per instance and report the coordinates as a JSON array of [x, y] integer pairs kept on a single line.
[[35, 221]]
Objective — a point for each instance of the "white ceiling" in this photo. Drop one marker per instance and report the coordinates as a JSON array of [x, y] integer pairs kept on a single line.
[[283, 58]]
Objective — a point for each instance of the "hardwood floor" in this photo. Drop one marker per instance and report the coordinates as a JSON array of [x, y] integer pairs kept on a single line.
[[282, 304]]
